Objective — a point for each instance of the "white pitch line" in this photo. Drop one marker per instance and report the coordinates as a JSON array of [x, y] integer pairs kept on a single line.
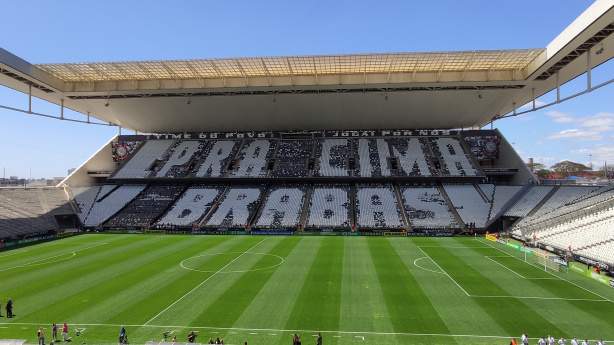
[[542, 278], [507, 268], [444, 272], [55, 256], [204, 281], [460, 247], [506, 337], [13, 253], [545, 298], [426, 269], [561, 278]]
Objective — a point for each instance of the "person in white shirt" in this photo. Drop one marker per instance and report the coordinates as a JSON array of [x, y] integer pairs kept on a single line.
[[574, 341], [585, 342], [562, 341], [551, 340], [542, 341], [524, 339]]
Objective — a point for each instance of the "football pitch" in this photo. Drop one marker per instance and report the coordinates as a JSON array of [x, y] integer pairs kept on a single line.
[[263, 289]]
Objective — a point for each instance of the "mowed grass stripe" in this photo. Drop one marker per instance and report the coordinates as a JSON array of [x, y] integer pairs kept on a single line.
[[578, 319], [46, 250], [225, 310], [589, 318], [205, 288], [75, 275], [552, 287], [317, 306], [20, 273], [363, 306], [451, 303], [503, 311], [272, 307], [157, 270], [109, 281], [408, 306], [461, 273], [171, 284]]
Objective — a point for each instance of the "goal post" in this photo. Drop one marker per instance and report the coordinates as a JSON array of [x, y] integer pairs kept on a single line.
[[548, 265], [545, 262]]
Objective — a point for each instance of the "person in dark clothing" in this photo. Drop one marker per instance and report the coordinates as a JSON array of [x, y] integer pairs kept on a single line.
[[122, 335], [9, 308], [191, 337]]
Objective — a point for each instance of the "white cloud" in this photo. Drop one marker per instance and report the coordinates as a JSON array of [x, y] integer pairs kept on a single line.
[[560, 117], [529, 105], [601, 153], [600, 121], [543, 159], [590, 128], [563, 119], [577, 135], [557, 114]]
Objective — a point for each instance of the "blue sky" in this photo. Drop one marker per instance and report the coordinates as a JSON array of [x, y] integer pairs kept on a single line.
[[91, 31]]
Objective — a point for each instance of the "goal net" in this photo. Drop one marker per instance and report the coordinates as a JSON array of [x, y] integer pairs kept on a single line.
[[548, 265], [541, 262]]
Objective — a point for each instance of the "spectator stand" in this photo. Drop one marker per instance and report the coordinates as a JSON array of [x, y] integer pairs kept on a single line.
[[329, 208], [191, 207], [281, 208], [236, 208], [146, 207], [253, 158]]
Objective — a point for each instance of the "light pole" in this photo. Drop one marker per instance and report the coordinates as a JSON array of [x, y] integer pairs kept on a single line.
[[590, 164]]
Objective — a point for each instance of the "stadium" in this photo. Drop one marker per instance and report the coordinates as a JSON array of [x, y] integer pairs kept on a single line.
[[368, 198]]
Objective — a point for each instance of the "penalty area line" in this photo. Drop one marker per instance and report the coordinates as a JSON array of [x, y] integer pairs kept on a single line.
[[507, 268], [444, 272], [552, 274], [544, 298]]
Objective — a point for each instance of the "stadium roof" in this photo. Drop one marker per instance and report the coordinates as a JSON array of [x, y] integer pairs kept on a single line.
[[440, 90], [281, 71]]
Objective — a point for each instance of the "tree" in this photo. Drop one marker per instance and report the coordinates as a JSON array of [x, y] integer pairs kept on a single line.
[[606, 170], [539, 170], [568, 168]]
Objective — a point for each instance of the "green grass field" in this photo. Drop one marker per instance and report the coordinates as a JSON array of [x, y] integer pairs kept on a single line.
[[262, 289]]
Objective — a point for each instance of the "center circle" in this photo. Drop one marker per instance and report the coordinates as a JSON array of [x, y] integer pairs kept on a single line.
[[252, 256]]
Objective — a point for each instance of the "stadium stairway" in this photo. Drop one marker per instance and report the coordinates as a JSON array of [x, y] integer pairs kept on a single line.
[[212, 210], [397, 193], [482, 194], [303, 219], [457, 216], [543, 201], [261, 200], [508, 204]]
